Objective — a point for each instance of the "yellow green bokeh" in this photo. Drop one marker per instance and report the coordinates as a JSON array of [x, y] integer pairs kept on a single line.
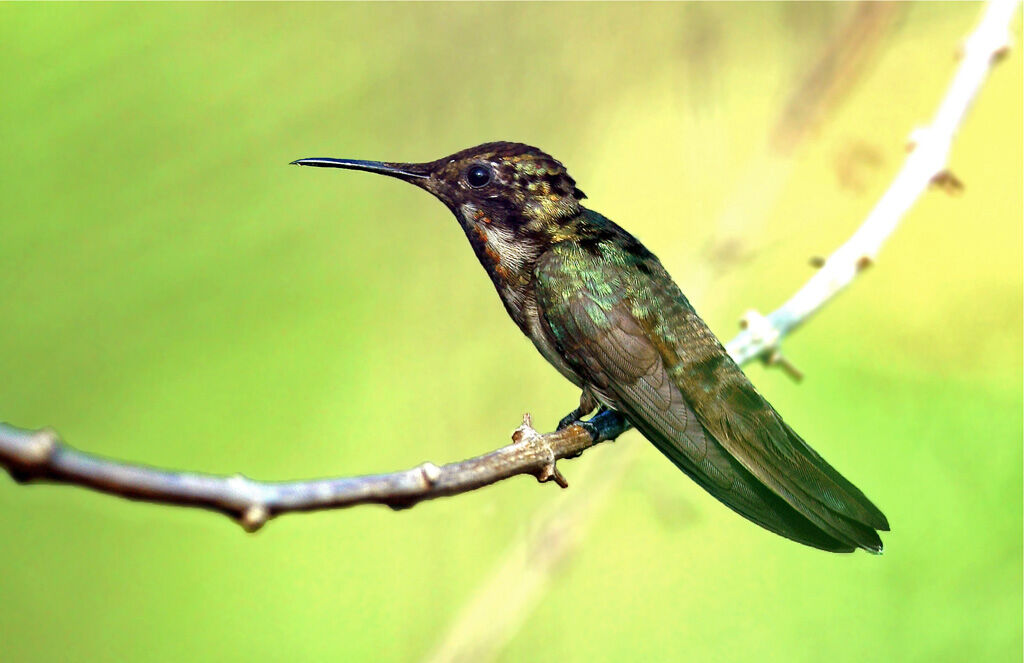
[[172, 292]]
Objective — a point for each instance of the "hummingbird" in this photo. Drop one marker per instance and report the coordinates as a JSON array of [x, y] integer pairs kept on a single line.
[[605, 313]]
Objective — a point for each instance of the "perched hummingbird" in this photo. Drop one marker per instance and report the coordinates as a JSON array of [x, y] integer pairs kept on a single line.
[[603, 311]]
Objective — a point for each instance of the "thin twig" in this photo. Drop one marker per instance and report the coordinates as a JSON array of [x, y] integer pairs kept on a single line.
[[925, 165], [41, 456]]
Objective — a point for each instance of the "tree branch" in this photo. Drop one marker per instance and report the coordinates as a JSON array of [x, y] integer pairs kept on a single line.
[[41, 456], [30, 456]]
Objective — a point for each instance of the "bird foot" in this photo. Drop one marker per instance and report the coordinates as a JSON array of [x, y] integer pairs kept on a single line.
[[591, 429], [573, 419], [568, 420]]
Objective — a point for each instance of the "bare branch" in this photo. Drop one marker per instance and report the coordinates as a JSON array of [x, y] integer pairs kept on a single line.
[[926, 165], [41, 456]]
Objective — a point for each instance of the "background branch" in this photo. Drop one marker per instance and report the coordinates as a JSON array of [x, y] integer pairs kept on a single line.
[[40, 456], [926, 164]]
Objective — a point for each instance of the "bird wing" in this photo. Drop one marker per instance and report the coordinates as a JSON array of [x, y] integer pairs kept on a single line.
[[624, 325]]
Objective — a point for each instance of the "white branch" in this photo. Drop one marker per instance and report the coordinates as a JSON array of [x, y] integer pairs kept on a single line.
[[925, 165]]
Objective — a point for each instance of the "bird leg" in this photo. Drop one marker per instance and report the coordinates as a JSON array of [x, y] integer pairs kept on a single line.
[[607, 424], [587, 405]]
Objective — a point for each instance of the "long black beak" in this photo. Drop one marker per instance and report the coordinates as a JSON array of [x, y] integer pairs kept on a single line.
[[403, 171]]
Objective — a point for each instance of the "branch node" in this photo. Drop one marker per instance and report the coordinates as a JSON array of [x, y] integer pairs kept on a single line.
[[864, 262], [526, 435], [550, 472], [255, 513], [761, 328], [242, 485], [31, 454], [431, 473], [775, 358], [560, 478], [817, 262], [525, 432], [40, 449], [254, 517], [1000, 52], [948, 182]]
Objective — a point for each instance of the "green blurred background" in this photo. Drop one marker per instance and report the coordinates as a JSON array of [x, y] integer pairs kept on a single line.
[[172, 292]]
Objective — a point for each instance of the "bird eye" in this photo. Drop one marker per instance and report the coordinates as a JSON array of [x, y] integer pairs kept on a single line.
[[478, 176]]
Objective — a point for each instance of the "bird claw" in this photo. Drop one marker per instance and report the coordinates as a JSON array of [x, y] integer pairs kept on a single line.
[[590, 428], [568, 420]]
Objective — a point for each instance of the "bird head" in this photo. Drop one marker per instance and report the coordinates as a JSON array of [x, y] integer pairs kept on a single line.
[[501, 187]]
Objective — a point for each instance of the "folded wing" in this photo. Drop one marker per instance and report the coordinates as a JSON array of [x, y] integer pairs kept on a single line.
[[629, 331]]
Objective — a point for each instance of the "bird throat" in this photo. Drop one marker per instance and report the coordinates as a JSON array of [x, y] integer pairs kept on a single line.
[[507, 251]]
